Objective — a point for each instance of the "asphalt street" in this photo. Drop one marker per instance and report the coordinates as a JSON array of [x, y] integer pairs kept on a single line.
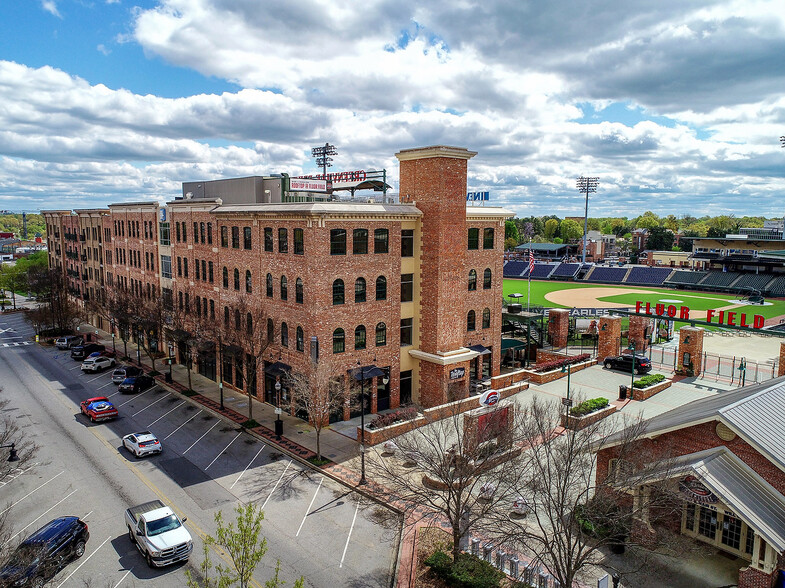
[[318, 528]]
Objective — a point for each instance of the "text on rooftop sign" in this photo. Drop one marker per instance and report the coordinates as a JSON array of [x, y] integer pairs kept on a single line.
[[719, 317]]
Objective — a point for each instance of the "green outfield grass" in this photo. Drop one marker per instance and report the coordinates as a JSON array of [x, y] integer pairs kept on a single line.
[[695, 300]]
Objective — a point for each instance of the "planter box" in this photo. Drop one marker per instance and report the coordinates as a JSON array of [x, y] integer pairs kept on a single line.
[[577, 423], [646, 393], [544, 377]]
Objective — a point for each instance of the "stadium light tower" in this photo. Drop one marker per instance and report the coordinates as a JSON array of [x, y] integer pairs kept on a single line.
[[782, 140], [586, 185], [323, 159]]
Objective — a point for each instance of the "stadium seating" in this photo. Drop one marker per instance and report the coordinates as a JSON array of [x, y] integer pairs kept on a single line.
[[685, 278], [649, 276], [608, 275], [719, 280], [752, 281], [776, 288], [565, 270], [514, 268], [542, 270]]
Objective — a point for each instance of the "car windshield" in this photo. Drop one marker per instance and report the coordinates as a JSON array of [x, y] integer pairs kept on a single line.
[[162, 525]]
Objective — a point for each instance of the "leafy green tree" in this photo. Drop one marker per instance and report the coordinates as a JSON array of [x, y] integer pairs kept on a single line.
[[659, 239], [510, 231], [570, 229], [551, 228], [647, 220], [510, 244]]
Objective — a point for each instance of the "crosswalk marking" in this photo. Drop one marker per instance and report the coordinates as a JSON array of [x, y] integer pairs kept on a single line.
[[17, 343]]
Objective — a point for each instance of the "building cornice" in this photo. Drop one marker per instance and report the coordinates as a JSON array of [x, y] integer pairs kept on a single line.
[[435, 151]]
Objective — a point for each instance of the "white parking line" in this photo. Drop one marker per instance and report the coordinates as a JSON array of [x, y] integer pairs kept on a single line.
[[248, 466], [163, 415], [14, 474], [345, 547], [181, 426], [76, 368], [309, 507], [276, 484], [151, 404], [95, 378], [29, 493], [123, 578], [39, 516], [202, 437], [224, 449], [105, 385], [137, 396], [84, 561]]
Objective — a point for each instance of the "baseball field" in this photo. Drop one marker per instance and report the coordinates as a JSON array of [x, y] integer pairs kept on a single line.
[[556, 294]]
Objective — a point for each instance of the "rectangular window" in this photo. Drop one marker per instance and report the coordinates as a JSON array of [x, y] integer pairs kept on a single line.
[[210, 269], [407, 287], [185, 267], [360, 241], [407, 243], [338, 242], [235, 237], [299, 243], [166, 266], [283, 240], [246, 237], [487, 238], [201, 232], [185, 234], [179, 267], [406, 331], [196, 232], [381, 241], [196, 268], [204, 270], [474, 238], [224, 236], [209, 233], [268, 239], [166, 294]]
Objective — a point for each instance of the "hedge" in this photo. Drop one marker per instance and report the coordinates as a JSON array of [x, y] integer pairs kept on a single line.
[[547, 366], [468, 571], [589, 406], [390, 418], [649, 380]]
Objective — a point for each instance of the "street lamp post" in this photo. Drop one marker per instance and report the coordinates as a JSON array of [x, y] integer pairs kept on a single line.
[[567, 402], [632, 369], [12, 455], [114, 349], [586, 185], [362, 424], [278, 421], [171, 361]]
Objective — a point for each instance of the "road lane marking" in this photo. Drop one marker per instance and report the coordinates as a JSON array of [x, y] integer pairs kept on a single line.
[[138, 396], [95, 378], [276, 484], [224, 449], [84, 561], [309, 507], [163, 415], [151, 404], [202, 437], [248, 466], [29, 493], [75, 368], [14, 474], [105, 385], [181, 426], [123, 578], [39, 516], [345, 547]]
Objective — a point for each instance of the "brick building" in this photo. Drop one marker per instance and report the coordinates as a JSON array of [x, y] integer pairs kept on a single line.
[[725, 455], [413, 288]]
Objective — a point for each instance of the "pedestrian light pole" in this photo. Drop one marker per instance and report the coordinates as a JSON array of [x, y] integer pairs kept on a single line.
[[586, 185], [631, 346]]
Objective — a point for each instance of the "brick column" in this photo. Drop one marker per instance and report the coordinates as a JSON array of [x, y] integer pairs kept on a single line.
[[690, 341], [781, 364], [559, 326], [609, 330], [637, 334]]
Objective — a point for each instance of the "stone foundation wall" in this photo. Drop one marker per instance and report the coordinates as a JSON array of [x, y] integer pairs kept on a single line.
[[646, 393], [752, 578], [577, 423]]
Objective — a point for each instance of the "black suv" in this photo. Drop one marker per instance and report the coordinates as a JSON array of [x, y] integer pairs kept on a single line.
[[136, 384], [624, 363], [44, 553], [81, 351]]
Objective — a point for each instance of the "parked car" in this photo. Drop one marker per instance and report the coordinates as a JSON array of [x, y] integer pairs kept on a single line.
[[158, 533], [104, 353], [624, 363], [98, 409], [123, 372], [44, 553], [143, 443], [68, 341], [135, 384], [80, 352], [97, 363], [520, 507]]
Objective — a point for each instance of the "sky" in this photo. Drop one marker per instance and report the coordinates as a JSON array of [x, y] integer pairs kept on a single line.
[[677, 106]]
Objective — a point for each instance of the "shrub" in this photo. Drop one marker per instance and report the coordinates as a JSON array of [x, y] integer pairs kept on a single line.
[[396, 416], [649, 380], [547, 366], [468, 571], [589, 406]]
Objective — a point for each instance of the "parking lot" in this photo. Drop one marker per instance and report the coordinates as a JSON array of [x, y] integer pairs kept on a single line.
[[317, 527]]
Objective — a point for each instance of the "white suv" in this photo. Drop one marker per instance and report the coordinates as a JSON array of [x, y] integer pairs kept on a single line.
[[97, 364]]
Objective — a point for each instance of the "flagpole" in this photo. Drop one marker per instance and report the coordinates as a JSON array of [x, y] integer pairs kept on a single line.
[[529, 287]]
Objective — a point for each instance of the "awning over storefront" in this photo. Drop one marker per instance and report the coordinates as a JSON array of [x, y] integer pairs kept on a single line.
[[736, 484], [234, 350], [180, 335], [512, 344], [367, 372], [481, 349], [205, 346], [277, 369]]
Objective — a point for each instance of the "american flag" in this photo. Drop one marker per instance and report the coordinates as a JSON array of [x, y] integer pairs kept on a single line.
[[531, 261]]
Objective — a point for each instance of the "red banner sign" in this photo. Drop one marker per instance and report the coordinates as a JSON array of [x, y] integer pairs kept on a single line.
[[719, 317]]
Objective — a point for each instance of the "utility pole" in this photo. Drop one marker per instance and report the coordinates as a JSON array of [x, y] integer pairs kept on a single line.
[[586, 185]]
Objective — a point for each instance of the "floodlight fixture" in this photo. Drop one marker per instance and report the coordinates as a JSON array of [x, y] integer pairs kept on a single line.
[[322, 155], [586, 185]]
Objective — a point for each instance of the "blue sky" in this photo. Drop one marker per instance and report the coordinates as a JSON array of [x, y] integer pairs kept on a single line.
[[676, 107]]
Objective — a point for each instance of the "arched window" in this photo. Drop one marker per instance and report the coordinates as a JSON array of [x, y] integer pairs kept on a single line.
[[486, 278], [359, 337], [226, 277], [339, 341], [284, 288], [472, 280], [249, 324], [269, 285], [338, 292], [381, 288], [298, 291], [359, 290], [470, 320], [486, 318], [300, 341], [237, 322], [236, 279], [226, 316], [270, 331], [284, 334], [248, 282], [381, 335]]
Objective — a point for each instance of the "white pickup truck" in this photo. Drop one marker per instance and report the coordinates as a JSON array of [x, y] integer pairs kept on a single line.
[[158, 533]]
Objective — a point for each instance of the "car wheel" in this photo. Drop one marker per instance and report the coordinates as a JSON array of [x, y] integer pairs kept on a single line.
[[638, 371], [149, 560], [79, 549], [137, 454], [131, 535], [608, 365], [37, 582], [92, 419]]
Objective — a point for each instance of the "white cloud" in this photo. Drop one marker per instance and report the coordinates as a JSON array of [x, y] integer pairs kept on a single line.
[[51, 7]]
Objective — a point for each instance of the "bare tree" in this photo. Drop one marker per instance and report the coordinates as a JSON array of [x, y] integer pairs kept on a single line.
[[191, 324], [62, 312], [119, 307], [148, 317], [461, 468]]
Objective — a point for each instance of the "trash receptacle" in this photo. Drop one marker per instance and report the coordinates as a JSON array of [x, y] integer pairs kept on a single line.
[[168, 378], [622, 392]]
